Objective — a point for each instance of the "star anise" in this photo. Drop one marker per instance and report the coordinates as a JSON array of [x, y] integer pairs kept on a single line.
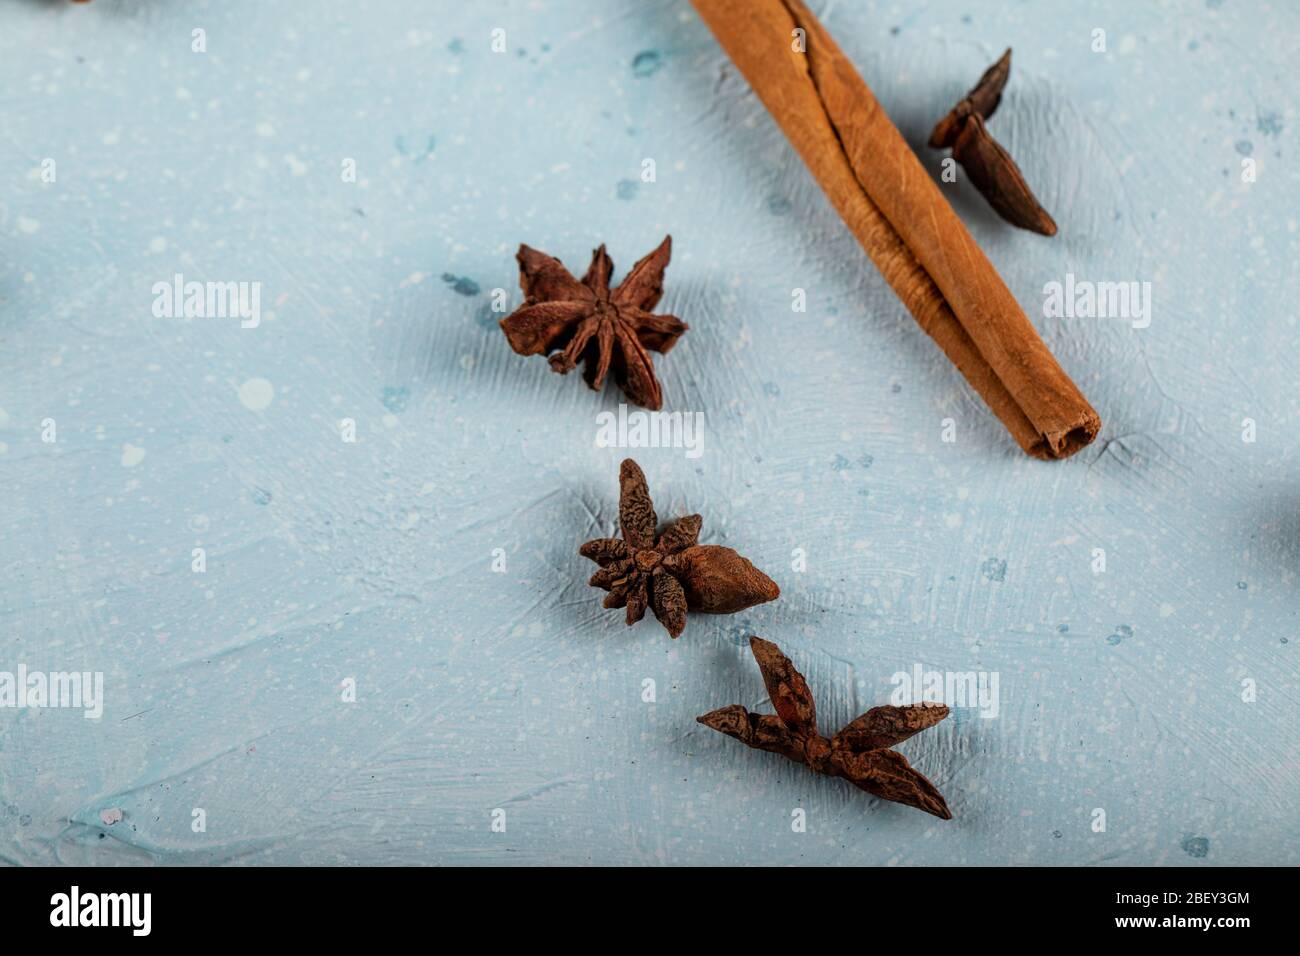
[[990, 167], [608, 330], [859, 753], [669, 572]]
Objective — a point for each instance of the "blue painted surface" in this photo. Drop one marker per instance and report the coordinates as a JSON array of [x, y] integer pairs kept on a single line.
[[372, 561]]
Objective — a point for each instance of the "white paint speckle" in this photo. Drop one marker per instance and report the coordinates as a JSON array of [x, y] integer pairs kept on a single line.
[[28, 226], [256, 394], [132, 455]]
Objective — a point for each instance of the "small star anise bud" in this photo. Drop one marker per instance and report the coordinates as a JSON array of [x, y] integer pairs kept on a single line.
[[990, 167], [859, 753], [572, 321], [669, 572]]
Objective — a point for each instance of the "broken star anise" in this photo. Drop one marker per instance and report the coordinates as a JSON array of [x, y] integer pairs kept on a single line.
[[669, 572], [990, 167], [573, 321], [859, 753]]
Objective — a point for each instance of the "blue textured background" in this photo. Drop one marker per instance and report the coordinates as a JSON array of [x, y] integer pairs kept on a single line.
[[480, 690]]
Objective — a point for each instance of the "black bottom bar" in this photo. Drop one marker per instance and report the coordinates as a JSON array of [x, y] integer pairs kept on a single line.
[[335, 906]]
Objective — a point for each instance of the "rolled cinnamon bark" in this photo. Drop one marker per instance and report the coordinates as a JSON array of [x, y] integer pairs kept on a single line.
[[902, 220]]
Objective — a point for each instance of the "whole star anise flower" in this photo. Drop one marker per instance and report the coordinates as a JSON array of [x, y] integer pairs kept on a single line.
[[859, 753], [607, 330], [669, 572]]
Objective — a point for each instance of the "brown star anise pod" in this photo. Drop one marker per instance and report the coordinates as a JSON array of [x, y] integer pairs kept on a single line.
[[990, 167], [608, 330], [859, 753], [669, 572]]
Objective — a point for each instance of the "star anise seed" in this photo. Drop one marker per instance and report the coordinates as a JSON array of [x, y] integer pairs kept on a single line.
[[609, 331], [859, 753], [669, 572]]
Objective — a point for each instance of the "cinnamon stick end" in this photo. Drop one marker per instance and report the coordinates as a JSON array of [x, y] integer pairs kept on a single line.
[[1062, 444]]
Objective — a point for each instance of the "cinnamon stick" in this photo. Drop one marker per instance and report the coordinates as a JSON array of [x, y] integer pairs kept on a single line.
[[902, 220]]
